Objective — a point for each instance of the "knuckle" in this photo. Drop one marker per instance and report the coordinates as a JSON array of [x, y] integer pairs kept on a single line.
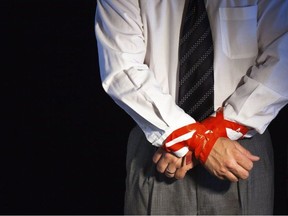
[[222, 171], [170, 158], [174, 159], [160, 168], [154, 159], [230, 164]]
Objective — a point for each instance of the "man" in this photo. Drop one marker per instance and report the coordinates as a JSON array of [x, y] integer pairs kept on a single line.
[[176, 163]]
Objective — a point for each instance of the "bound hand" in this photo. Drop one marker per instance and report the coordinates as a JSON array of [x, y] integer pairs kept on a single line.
[[171, 165], [229, 160]]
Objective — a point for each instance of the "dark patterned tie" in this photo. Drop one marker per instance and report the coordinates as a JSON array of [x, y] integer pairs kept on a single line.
[[196, 81]]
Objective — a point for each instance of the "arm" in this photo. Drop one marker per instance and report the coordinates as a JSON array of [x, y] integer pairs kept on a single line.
[[129, 81], [258, 99], [264, 90], [126, 77]]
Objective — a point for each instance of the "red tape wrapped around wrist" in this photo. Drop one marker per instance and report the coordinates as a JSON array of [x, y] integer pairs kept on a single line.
[[219, 125], [200, 143]]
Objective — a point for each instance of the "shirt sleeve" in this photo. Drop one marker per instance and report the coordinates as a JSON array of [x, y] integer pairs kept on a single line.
[[264, 89], [125, 76]]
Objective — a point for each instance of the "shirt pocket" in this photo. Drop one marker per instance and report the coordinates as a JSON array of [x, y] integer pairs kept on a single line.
[[239, 31]]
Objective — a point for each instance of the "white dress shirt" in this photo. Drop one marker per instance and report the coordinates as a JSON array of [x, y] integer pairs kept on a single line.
[[138, 56]]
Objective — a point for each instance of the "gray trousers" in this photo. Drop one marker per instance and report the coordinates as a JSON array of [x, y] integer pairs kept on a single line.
[[149, 192]]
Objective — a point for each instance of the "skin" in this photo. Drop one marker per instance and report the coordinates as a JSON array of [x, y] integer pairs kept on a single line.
[[171, 165], [227, 160]]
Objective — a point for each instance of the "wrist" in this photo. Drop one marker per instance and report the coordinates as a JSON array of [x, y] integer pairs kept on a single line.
[[194, 137], [223, 127]]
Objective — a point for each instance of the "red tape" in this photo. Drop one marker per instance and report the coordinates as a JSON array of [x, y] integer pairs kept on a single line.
[[200, 143], [204, 135], [218, 124]]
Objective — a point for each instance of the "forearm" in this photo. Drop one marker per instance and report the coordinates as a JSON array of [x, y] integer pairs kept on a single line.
[[126, 78]]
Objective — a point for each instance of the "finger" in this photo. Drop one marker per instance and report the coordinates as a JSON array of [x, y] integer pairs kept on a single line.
[[243, 161], [171, 169], [246, 152], [169, 173], [157, 155], [231, 177], [239, 172], [226, 174], [181, 171], [165, 160], [161, 165], [240, 165], [253, 157]]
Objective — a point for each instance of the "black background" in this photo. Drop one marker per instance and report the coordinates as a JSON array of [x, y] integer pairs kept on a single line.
[[63, 139]]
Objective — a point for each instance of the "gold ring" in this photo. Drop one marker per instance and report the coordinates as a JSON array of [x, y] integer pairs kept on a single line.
[[169, 172]]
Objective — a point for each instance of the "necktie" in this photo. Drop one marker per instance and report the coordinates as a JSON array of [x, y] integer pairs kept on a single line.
[[196, 91]]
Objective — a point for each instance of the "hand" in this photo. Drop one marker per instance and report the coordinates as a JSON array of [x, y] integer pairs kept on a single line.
[[229, 160], [171, 165]]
